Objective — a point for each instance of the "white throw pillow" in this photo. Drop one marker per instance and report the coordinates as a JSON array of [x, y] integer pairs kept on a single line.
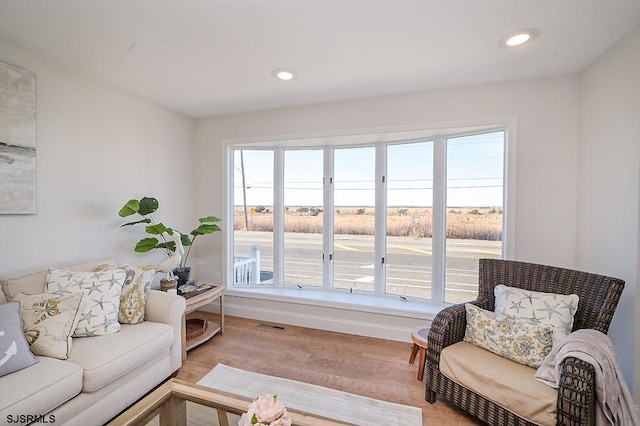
[[547, 308], [102, 297], [48, 321]]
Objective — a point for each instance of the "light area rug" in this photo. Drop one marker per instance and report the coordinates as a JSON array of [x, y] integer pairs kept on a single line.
[[334, 404]]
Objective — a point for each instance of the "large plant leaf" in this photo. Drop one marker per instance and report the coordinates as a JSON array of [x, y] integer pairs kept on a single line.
[[136, 222], [146, 244], [130, 208], [148, 205], [209, 219], [156, 229], [169, 245], [186, 241], [205, 229], [184, 238]]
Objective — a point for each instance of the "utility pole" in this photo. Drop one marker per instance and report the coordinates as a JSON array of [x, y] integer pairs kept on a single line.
[[244, 192]]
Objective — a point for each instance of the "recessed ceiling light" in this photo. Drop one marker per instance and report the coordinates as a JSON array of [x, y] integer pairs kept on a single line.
[[283, 74], [520, 37]]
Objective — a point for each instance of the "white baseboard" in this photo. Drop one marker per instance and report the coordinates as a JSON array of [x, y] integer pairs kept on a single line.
[[337, 320]]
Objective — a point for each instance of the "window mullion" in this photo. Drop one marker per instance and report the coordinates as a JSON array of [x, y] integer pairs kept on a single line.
[[327, 220], [228, 278], [380, 231], [278, 217], [438, 226]]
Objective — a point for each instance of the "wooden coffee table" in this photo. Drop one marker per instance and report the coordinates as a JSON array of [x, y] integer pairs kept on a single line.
[[169, 402]]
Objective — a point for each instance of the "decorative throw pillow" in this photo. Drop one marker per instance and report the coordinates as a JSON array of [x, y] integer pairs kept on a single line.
[[547, 308], [13, 345], [102, 297], [134, 292], [48, 321], [520, 340]]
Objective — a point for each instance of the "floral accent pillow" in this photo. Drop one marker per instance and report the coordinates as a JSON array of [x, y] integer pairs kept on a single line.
[[546, 308], [520, 340], [102, 297], [134, 292], [48, 321]]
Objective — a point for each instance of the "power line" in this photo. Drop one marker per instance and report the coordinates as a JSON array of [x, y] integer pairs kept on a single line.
[[269, 185], [406, 188]]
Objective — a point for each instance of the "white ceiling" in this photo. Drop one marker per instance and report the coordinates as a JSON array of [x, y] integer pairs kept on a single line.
[[211, 57]]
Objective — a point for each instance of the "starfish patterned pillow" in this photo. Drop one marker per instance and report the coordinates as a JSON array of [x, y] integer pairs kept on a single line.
[[48, 321], [101, 291], [546, 308]]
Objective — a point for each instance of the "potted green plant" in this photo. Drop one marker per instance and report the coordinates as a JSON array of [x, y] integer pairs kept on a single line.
[[159, 233]]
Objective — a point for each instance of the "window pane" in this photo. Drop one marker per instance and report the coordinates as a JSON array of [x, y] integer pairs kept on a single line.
[[474, 210], [253, 216], [409, 212], [354, 218], [303, 172]]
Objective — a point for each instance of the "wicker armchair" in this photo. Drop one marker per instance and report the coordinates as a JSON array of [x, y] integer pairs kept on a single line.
[[599, 297]]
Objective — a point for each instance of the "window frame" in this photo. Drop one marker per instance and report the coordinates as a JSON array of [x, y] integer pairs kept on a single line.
[[380, 138]]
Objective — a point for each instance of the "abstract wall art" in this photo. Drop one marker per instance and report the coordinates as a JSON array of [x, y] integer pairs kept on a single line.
[[17, 140]]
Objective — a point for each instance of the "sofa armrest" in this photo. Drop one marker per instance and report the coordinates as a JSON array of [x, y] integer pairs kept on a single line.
[[576, 393], [168, 309]]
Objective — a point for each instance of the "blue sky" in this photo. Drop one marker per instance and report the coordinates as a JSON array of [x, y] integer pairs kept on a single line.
[[474, 174]]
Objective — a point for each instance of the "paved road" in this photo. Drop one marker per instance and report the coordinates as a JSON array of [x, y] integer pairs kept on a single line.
[[408, 262]]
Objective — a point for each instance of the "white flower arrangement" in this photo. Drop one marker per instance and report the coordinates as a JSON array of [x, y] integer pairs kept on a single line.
[[265, 410]]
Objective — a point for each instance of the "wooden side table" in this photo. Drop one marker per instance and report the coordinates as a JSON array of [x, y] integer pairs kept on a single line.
[[419, 335], [194, 301]]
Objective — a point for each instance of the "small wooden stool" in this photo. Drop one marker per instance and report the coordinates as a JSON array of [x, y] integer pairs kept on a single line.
[[419, 336]]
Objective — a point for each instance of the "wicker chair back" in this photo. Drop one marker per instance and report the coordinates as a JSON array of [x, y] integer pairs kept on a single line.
[[599, 294]]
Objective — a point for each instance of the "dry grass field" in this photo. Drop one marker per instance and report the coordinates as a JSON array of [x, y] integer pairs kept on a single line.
[[462, 223]]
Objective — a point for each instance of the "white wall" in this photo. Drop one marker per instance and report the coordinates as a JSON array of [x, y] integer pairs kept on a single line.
[[97, 147], [546, 112], [547, 132], [609, 186]]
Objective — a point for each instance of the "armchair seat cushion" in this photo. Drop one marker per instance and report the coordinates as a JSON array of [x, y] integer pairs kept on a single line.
[[504, 382]]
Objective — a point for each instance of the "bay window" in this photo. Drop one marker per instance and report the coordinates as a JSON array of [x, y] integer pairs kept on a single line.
[[405, 218]]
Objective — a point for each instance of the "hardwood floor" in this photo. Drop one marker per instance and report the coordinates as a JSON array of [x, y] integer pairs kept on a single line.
[[362, 365]]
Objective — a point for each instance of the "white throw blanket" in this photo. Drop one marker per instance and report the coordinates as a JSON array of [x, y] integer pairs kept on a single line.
[[615, 405]]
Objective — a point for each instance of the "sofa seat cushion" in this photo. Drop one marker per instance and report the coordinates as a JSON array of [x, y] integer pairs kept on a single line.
[[105, 358], [504, 382], [39, 388]]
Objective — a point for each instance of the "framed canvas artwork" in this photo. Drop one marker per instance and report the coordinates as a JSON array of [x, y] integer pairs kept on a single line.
[[17, 140]]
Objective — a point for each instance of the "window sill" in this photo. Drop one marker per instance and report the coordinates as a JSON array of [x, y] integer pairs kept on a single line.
[[337, 300]]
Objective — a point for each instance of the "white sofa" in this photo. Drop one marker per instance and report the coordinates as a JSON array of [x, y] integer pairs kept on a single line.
[[103, 374]]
